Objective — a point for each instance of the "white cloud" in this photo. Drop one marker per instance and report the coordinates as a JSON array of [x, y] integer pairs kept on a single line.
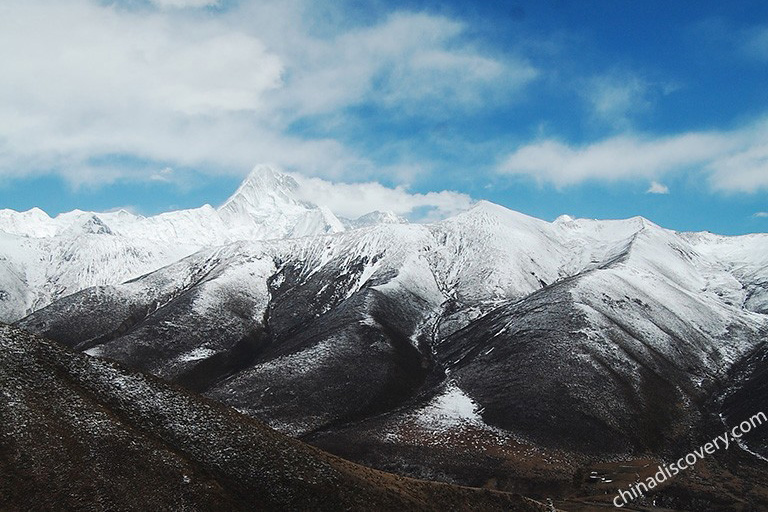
[[354, 199], [81, 81], [85, 82], [761, 214], [77, 58], [657, 188], [731, 161], [408, 58], [618, 96], [612, 159], [165, 175]]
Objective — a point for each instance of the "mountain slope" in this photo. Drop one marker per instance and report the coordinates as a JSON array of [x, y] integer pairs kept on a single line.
[[82, 433], [37, 271], [260, 312], [745, 257]]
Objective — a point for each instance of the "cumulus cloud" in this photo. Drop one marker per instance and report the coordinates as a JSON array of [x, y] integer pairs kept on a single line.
[[761, 214], [86, 82], [352, 200], [81, 81], [657, 188], [408, 59], [611, 159], [731, 161], [76, 58]]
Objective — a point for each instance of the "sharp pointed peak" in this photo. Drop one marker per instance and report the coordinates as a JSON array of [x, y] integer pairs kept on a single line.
[[88, 223], [266, 170], [265, 186], [269, 176]]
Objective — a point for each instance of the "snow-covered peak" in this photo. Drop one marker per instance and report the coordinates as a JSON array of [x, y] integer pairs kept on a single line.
[[486, 212], [486, 253], [265, 188], [89, 224], [265, 206], [34, 223], [599, 231]]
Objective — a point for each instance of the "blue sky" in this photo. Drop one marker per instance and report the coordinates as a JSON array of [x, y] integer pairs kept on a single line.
[[602, 109]]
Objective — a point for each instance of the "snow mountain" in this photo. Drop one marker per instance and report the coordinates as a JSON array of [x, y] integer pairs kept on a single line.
[[577, 336], [488, 349], [263, 207], [44, 258]]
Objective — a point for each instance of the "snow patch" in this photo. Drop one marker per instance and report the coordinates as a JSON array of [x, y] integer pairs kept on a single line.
[[94, 351], [196, 354], [451, 408]]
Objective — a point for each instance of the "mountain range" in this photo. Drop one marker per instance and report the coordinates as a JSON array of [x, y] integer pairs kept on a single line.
[[553, 359], [44, 258]]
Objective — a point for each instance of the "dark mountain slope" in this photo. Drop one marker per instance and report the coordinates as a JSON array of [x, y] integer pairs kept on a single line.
[[533, 368], [749, 396], [83, 433], [299, 340]]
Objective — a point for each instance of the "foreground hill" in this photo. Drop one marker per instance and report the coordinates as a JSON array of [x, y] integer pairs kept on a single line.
[[81, 433]]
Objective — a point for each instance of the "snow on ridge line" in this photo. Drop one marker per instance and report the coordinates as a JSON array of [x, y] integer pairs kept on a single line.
[[486, 253], [267, 196], [264, 206]]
